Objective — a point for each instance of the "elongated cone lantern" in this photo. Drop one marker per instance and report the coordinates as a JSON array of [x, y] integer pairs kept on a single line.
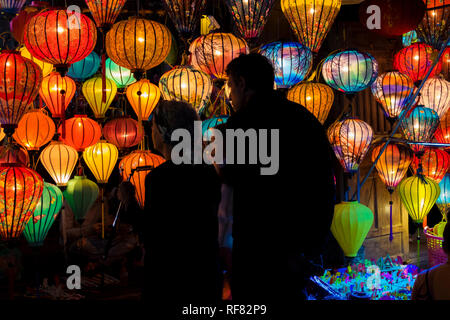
[[443, 202], [93, 91], [60, 37], [20, 191], [350, 139], [20, 79], [215, 51], [186, 84], [14, 153], [57, 92], [80, 195], [435, 94], [185, 15], [123, 132], [136, 159], [393, 90], [250, 16], [45, 213], [350, 226], [442, 134], [434, 28], [59, 160], [311, 20], [316, 97], [105, 12], [85, 68], [435, 163], [350, 71], [101, 159], [419, 126], [35, 129], [138, 44], [81, 132], [291, 61], [392, 167], [46, 68], [121, 76], [143, 97]]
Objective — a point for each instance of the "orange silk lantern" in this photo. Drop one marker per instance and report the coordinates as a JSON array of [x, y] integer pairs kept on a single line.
[[105, 12], [123, 132], [442, 134], [143, 97], [46, 68], [435, 163], [59, 160], [57, 92], [81, 132], [35, 129]]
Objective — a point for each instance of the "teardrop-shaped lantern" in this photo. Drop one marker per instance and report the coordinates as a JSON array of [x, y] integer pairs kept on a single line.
[[185, 15], [14, 153], [393, 90], [59, 160], [121, 76], [46, 68], [434, 28], [350, 226], [350, 71], [435, 94], [45, 213], [291, 61], [186, 84], [93, 92], [52, 90], [105, 12], [143, 97], [212, 123], [85, 68], [350, 139], [20, 191], [80, 195], [435, 163], [316, 97], [101, 159], [443, 202], [35, 129], [123, 132], [442, 134], [311, 20], [81, 132]]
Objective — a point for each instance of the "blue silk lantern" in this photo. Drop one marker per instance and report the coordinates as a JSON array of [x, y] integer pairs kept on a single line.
[[350, 71], [443, 202], [212, 123], [85, 68], [44, 215], [292, 62]]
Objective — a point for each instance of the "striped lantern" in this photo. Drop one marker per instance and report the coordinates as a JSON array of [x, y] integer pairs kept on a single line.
[[143, 97], [185, 15], [57, 92], [435, 163], [81, 132], [435, 94], [105, 12], [59, 160], [123, 132], [101, 159], [434, 28], [93, 92], [442, 134], [35, 129]]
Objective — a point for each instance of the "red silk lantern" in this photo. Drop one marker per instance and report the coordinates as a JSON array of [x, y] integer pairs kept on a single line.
[[20, 79], [18, 23], [60, 37], [20, 191], [445, 60], [442, 134], [105, 12], [13, 153], [35, 129], [123, 132], [81, 132], [435, 163], [57, 92]]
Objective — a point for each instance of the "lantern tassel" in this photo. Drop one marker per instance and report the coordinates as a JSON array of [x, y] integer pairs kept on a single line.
[[391, 235]]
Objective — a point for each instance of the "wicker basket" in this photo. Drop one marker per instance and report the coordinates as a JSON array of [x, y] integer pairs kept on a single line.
[[436, 254]]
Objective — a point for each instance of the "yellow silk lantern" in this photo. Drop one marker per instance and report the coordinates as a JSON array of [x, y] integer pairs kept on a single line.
[[59, 160], [143, 97], [101, 159], [46, 68], [93, 92]]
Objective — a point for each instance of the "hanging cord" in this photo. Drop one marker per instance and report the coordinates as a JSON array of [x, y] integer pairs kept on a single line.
[[391, 234]]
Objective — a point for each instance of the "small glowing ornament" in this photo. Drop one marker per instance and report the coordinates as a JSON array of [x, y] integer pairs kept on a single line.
[[105, 12], [143, 97], [292, 62], [435, 94], [93, 91], [435, 163], [34, 130], [123, 132], [409, 38], [85, 68], [442, 134], [81, 132], [57, 92], [80, 195], [59, 160], [350, 71], [46, 68], [101, 159], [121, 76], [316, 97]]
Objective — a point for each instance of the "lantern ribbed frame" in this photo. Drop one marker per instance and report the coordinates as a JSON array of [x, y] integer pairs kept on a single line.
[[123, 132], [85, 68], [143, 97], [434, 28], [105, 12], [12, 6], [101, 159], [46, 68], [442, 133], [50, 92], [435, 94], [93, 90], [81, 132], [59, 160], [435, 163], [121, 76], [185, 14], [14, 153], [445, 61], [34, 130]]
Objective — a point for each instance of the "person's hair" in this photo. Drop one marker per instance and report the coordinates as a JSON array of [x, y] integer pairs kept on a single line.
[[446, 236], [256, 70], [172, 115]]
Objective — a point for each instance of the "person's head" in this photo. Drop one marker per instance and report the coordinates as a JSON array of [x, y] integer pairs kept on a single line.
[[249, 74], [446, 236], [126, 191]]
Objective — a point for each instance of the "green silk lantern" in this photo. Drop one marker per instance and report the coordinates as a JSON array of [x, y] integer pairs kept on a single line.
[[121, 76], [351, 223], [44, 215], [80, 195]]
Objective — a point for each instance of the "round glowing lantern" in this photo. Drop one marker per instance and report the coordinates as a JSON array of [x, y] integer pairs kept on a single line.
[[186, 84], [316, 97], [214, 51], [35, 129], [81, 132], [418, 194], [445, 60], [415, 61], [397, 16], [350, 226], [20, 79], [123, 132], [11, 6], [250, 16], [45, 213], [46, 68], [409, 38], [211, 123], [435, 26], [101, 159], [185, 15], [80, 195], [435, 94], [442, 134], [57, 92], [138, 44], [20, 191], [291, 61], [443, 202], [143, 97], [350, 139], [121, 76], [393, 91], [13, 153], [311, 20], [419, 126], [350, 71], [435, 163], [105, 12], [85, 68], [18, 23], [93, 92], [59, 160], [136, 159], [60, 37]]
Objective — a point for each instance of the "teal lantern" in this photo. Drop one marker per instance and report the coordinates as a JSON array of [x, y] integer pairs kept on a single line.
[[44, 215], [443, 202], [212, 123], [121, 76], [80, 195], [85, 68]]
